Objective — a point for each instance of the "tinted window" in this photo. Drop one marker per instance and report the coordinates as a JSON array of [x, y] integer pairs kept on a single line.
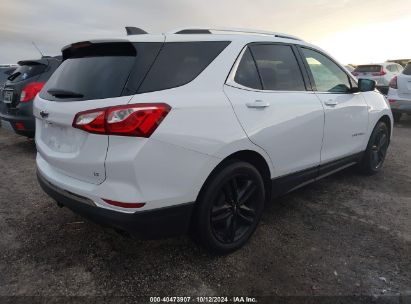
[[278, 68], [27, 71], [178, 63], [91, 77], [247, 74], [407, 70], [97, 71], [328, 76], [368, 68]]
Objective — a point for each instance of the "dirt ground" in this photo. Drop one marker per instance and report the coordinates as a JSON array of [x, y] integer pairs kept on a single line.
[[345, 235]]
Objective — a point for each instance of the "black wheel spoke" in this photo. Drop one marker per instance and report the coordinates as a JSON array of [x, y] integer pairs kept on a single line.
[[382, 141], [234, 208], [247, 192], [230, 228], [221, 209], [245, 219], [221, 218]]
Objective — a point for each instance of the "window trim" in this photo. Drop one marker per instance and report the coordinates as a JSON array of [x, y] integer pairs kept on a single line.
[[351, 79], [230, 81]]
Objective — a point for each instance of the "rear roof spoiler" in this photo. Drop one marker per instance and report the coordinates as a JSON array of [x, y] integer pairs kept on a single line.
[[131, 30]]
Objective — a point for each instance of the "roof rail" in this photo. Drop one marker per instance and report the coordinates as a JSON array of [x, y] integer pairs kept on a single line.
[[206, 30], [131, 30]]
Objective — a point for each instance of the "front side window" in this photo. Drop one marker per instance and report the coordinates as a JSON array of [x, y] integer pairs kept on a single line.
[[278, 67], [328, 76]]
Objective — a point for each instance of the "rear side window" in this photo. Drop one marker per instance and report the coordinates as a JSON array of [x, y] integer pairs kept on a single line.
[[247, 74], [27, 71], [407, 70], [178, 63], [368, 68], [278, 67]]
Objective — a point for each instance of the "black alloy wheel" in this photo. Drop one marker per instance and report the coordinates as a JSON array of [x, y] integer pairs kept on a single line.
[[229, 207]]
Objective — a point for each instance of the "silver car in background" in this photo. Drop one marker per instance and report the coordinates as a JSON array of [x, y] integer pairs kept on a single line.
[[381, 73]]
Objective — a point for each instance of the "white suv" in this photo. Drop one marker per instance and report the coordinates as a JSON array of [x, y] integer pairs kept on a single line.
[[155, 135], [399, 94]]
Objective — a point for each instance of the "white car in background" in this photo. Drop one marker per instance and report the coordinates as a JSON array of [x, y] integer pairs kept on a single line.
[[381, 73], [199, 128], [399, 94]]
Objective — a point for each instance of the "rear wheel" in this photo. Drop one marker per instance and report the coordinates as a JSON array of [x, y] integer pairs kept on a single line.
[[397, 116], [374, 156], [229, 208]]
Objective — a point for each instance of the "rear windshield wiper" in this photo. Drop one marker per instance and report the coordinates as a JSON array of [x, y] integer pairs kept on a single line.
[[64, 93], [13, 76]]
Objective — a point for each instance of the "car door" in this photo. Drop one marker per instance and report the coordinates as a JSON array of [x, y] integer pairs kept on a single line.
[[346, 111], [275, 107]]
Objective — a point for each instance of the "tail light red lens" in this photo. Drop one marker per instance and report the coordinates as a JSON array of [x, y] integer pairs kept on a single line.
[[30, 91], [380, 73], [139, 120], [394, 83]]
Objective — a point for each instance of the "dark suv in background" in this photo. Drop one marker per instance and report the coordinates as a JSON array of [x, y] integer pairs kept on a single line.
[[16, 100]]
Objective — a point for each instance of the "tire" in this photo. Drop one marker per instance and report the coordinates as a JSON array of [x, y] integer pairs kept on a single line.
[[397, 116], [374, 156], [229, 208]]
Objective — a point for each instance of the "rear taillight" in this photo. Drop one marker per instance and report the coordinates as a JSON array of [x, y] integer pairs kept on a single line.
[[394, 83], [138, 120], [380, 73], [30, 91]]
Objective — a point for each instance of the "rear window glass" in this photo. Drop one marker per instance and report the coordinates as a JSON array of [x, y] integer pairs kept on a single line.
[[407, 70], [247, 74], [112, 69], [24, 72], [278, 68], [89, 77], [178, 63], [368, 68], [100, 71]]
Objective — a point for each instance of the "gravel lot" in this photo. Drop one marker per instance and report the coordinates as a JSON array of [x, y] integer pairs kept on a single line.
[[345, 235]]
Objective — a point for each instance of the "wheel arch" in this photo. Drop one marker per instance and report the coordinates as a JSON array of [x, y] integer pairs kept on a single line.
[[250, 156]]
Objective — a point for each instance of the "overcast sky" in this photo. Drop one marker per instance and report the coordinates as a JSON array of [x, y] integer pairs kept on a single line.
[[353, 31]]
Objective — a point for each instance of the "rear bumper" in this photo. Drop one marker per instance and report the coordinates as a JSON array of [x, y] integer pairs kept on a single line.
[[27, 122], [400, 106], [150, 224]]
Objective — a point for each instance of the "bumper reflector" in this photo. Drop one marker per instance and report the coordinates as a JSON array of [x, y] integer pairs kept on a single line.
[[20, 126], [124, 205]]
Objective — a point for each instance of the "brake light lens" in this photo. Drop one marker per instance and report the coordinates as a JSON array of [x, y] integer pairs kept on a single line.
[[139, 120], [394, 83], [380, 73], [30, 91]]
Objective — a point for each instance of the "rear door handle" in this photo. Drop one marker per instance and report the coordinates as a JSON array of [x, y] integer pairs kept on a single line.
[[258, 104], [331, 103]]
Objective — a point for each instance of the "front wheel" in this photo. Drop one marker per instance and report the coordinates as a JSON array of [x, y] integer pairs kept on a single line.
[[229, 208], [374, 156]]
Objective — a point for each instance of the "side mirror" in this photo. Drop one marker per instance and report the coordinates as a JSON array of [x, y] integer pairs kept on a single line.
[[366, 85]]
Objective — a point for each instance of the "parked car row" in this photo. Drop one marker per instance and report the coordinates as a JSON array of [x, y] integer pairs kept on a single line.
[[381, 73], [193, 130]]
